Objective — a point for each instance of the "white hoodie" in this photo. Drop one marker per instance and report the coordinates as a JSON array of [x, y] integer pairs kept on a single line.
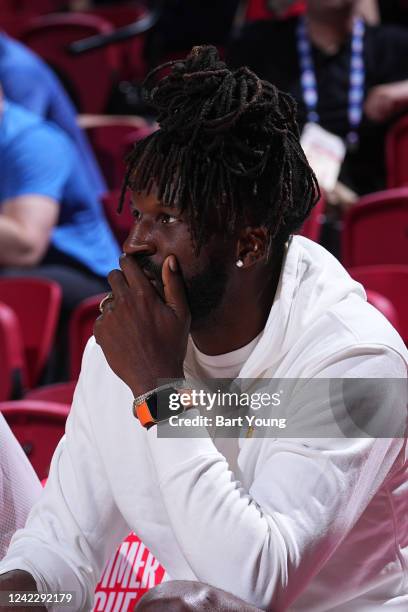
[[311, 524], [19, 486]]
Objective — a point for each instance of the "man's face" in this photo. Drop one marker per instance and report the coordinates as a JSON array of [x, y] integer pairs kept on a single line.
[[159, 231]]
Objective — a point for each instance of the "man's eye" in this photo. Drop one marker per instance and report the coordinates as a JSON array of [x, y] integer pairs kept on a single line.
[[135, 213], [168, 219]]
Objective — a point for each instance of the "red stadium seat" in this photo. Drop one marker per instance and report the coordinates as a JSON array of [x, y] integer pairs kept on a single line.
[[112, 141], [258, 9], [375, 230], [88, 78], [38, 426], [12, 24], [62, 393], [120, 224], [35, 7], [37, 304], [131, 51], [120, 14], [12, 373], [311, 228], [392, 283], [81, 329], [396, 154]]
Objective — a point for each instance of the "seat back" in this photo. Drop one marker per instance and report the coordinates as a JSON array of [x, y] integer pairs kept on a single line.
[[112, 141], [81, 329], [89, 77], [12, 372], [61, 393], [38, 426], [375, 230], [396, 154], [390, 281], [132, 60], [312, 226], [35, 7], [37, 304]]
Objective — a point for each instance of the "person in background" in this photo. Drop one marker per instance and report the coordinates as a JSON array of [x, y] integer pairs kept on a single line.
[[19, 486], [311, 57], [52, 224], [28, 81]]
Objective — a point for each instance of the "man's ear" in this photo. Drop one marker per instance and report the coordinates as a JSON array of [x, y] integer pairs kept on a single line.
[[251, 246]]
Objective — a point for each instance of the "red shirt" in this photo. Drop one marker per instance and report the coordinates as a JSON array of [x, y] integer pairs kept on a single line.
[[131, 572]]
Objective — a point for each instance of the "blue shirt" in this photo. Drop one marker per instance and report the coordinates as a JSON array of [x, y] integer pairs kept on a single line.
[[28, 81], [36, 157]]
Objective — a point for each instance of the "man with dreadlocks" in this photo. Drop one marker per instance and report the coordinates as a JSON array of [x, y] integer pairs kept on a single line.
[[213, 284]]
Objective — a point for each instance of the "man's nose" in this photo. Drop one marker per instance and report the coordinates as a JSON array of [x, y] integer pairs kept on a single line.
[[139, 240]]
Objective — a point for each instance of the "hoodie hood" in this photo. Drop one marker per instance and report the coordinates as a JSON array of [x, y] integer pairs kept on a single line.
[[312, 282]]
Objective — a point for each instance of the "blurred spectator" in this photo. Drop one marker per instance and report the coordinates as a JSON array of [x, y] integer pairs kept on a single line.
[[19, 486], [51, 222], [380, 91], [27, 80]]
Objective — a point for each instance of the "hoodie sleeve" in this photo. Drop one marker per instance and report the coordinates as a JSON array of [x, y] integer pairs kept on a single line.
[[19, 486], [280, 529], [75, 525]]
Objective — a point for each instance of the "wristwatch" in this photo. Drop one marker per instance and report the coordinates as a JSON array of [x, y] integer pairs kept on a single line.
[[161, 404]]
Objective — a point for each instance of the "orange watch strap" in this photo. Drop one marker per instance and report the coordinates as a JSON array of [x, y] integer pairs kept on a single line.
[[144, 415]]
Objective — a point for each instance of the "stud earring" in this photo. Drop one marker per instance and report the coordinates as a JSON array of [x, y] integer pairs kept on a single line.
[[239, 263]]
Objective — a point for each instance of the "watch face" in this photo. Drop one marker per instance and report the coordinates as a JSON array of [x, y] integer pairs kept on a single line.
[[164, 404], [152, 405]]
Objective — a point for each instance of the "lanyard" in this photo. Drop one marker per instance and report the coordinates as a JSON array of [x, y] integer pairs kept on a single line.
[[357, 78]]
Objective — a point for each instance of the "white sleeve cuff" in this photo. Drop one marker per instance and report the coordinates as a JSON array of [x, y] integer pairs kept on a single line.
[[47, 563]]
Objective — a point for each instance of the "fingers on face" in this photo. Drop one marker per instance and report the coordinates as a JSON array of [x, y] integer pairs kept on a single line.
[[174, 289], [135, 277], [117, 281]]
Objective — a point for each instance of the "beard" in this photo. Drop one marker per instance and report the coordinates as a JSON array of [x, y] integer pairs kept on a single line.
[[204, 290]]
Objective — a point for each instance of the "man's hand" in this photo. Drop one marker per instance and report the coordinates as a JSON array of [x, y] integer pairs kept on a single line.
[[144, 338], [188, 596], [384, 101], [17, 580]]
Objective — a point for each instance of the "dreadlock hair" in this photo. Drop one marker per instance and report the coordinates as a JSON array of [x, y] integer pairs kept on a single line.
[[228, 143]]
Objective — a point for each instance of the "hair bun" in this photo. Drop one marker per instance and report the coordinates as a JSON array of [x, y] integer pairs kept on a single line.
[[201, 94]]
